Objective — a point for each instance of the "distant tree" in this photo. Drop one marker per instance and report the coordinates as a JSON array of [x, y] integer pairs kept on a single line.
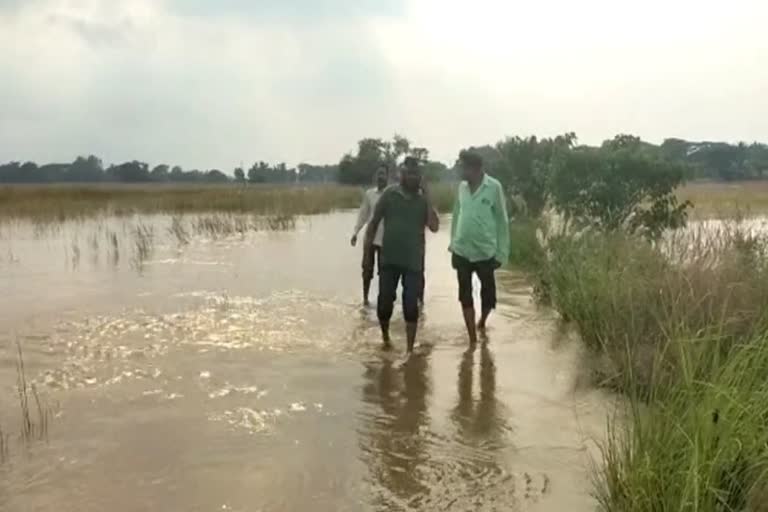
[[29, 172], [239, 175], [422, 154], [53, 173], [256, 174], [359, 169], [317, 173], [160, 173], [371, 153], [130, 172], [396, 149], [436, 171], [88, 169], [675, 150], [216, 176]]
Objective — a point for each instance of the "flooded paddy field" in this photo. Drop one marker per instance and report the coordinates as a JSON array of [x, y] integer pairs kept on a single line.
[[216, 362]]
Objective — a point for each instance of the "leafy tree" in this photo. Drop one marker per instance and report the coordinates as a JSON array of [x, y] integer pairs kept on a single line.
[[239, 175], [216, 176], [398, 148], [421, 154], [317, 173], [88, 169], [359, 168], [130, 172], [160, 173], [618, 186], [436, 171], [525, 167]]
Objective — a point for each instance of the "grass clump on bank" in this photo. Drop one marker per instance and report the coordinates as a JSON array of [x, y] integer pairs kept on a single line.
[[700, 443]]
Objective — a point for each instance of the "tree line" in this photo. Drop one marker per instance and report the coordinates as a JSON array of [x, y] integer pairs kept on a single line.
[[700, 160], [90, 169]]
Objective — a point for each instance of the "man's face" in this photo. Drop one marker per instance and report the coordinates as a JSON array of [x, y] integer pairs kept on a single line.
[[466, 172], [410, 178], [382, 177]]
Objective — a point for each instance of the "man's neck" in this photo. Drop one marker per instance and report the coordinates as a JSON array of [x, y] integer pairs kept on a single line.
[[475, 181]]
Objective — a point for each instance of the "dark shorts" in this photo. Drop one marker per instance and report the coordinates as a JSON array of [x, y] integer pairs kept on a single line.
[[485, 272], [389, 277], [371, 259]]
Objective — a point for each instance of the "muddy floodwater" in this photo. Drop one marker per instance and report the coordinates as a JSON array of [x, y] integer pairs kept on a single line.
[[208, 371]]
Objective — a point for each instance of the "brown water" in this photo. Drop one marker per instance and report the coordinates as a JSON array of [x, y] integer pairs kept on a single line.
[[240, 373]]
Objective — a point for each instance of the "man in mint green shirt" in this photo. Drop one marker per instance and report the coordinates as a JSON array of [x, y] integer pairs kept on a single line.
[[479, 238]]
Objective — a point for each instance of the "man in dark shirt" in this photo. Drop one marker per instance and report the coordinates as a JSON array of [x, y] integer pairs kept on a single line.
[[405, 209]]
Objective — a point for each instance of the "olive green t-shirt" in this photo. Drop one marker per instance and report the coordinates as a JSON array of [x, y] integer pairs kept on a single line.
[[404, 216]]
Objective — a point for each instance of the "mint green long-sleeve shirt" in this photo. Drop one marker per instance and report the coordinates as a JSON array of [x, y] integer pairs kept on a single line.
[[480, 226]]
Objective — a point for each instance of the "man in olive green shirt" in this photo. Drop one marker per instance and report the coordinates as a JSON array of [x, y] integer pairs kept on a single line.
[[479, 238], [405, 210]]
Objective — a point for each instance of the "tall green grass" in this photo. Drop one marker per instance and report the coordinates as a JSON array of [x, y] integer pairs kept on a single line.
[[680, 327], [697, 443]]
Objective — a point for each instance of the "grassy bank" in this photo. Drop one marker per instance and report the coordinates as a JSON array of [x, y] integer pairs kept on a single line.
[[679, 327], [63, 202], [58, 203]]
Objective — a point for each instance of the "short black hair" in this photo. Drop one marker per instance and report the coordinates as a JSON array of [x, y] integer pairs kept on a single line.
[[411, 162], [471, 159]]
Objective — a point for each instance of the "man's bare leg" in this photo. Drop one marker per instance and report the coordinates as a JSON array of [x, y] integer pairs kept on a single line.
[[481, 325], [410, 335], [387, 343], [366, 291], [469, 321]]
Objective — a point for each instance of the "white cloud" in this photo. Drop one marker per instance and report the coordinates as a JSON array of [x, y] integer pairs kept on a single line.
[[140, 79]]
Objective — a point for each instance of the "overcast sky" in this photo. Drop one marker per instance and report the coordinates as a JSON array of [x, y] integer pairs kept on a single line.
[[210, 83]]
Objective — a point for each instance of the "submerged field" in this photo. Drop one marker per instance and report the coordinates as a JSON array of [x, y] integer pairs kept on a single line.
[[181, 347], [222, 361], [62, 202]]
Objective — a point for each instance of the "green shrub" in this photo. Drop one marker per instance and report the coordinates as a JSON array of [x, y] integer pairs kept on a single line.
[[619, 186]]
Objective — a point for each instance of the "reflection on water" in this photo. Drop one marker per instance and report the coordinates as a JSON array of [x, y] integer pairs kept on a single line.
[[481, 422], [238, 372], [392, 441]]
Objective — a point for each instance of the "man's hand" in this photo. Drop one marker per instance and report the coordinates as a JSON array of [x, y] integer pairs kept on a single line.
[[353, 241], [425, 191]]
